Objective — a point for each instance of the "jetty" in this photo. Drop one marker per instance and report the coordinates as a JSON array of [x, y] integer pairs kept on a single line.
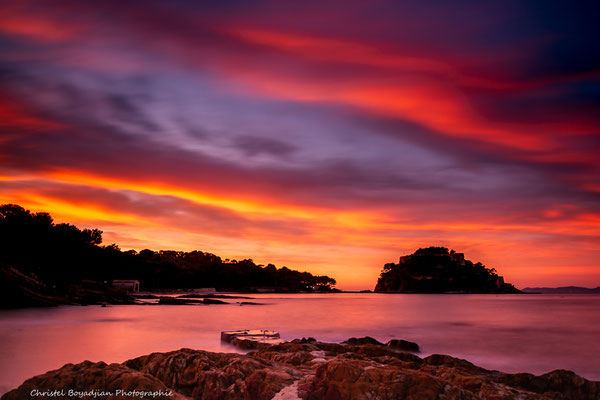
[[251, 338]]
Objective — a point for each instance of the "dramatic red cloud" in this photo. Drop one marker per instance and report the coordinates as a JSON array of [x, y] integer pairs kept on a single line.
[[398, 91], [18, 19], [16, 116]]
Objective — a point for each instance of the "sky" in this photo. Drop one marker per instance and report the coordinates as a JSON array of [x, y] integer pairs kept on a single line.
[[331, 137]]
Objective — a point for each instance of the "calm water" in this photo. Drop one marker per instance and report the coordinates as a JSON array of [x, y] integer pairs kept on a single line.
[[512, 333]]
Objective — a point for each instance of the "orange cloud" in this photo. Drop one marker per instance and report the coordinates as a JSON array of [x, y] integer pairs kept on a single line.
[[351, 245]]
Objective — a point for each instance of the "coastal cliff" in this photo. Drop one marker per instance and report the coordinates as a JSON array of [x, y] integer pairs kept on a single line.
[[438, 270], [301, 369]]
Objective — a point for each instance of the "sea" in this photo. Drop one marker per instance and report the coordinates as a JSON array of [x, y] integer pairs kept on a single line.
[[534, 333]]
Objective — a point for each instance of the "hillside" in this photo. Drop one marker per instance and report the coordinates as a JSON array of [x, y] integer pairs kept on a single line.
[[44, 263], [438, 270]]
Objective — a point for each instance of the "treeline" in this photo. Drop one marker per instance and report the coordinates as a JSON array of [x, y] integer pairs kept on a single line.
[[34, 244]]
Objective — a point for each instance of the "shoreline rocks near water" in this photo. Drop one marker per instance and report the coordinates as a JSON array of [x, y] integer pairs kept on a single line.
[[148, 299], [185, 301], [397, 344], [306, 369], [19, 290]]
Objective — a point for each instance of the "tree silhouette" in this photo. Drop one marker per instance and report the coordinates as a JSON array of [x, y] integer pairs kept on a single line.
[[62, 253], [434, 270]]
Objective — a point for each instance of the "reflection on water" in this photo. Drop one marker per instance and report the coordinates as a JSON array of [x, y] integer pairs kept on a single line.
[[512, 333]]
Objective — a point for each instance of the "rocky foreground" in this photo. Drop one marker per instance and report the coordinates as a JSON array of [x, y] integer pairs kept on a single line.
[[301, 369]]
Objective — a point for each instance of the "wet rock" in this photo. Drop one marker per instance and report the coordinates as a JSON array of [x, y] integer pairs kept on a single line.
[[295, 353], [211, 296], [92, 377], [292, 358], [556, 384], [181, 300], [311, 370], [333, 348], [205, 375], [251, 339], [305, 340], [363, 379], [145, 296], [361, 341], [227, 336], [291, 347], [178, 302], [213, 301], [442, 360], [403, 345], [375, 352], [251, 344], [19, 290]]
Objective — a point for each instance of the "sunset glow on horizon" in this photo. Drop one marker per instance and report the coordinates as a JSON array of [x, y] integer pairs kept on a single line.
[[331, 138]]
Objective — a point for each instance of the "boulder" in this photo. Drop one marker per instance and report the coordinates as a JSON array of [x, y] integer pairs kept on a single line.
[[211, 296], [403, 345], [205, 375], [310, 370], [145, 296], [361, 341], [558, 383], [365, 380], [305, 340], [178, 302], [71, 380], [213, 301]]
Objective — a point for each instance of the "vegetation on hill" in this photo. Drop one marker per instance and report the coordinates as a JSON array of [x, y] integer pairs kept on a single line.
[[60, 254], [438, 270]]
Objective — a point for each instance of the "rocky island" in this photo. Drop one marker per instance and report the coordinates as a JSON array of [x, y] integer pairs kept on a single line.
[[439, 270], [359, 369]]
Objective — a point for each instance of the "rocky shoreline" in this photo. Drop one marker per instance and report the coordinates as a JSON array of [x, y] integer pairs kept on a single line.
[[301, 369], [19, 290]]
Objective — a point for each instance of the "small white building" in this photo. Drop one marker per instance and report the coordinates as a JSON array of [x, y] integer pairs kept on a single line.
[[129, 285]]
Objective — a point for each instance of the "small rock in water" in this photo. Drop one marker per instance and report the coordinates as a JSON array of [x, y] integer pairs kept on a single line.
[[178, 302], [213, 301], [304, 340], [361, 341], [404, 345]]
